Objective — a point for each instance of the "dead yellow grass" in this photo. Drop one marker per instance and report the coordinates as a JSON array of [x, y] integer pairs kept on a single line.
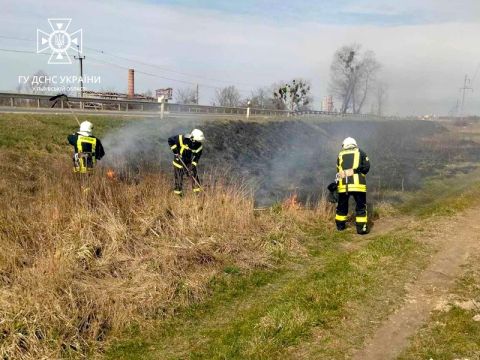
[[82, 259]]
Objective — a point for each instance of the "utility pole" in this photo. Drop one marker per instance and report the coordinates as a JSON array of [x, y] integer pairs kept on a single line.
[[464, 89], [80, 58], [196, 96]]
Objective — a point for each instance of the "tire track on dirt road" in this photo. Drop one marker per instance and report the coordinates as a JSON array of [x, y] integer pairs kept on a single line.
[[456, 239]]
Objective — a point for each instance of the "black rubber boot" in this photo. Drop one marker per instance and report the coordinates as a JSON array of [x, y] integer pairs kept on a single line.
[[362, 229]]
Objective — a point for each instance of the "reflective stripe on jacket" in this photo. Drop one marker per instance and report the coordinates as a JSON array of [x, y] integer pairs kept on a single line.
[[357, 160], [188, 150], [85, 158]]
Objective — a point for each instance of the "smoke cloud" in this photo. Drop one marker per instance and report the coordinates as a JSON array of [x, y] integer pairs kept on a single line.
[[278, 158]]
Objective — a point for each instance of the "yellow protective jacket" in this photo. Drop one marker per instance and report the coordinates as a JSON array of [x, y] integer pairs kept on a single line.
[[87, 150], [357, 160], [188, 150]]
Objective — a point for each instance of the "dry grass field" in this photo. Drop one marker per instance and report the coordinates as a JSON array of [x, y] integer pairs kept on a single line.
[[120, 267]]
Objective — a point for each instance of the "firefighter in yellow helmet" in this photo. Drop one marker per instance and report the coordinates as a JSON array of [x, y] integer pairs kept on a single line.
[[187, 150], [352, 168], [87, 148]]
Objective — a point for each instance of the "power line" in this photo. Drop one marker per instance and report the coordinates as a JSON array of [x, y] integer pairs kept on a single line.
[[160, 76], [476, 73], [141, 72], [464, 89], [22, 51], [80, 59], [14, 38], [151, 65], [137, 71], [165, 69]]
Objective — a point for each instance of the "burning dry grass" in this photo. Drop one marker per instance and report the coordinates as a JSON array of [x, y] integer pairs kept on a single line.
[[80, 259]]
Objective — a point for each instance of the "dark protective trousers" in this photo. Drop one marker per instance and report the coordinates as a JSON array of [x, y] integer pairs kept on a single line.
[[179, 174], [360, 211]]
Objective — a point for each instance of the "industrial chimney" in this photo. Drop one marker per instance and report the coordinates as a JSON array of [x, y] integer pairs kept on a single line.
[[131, 84]]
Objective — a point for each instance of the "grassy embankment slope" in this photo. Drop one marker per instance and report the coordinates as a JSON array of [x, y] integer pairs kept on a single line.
[[81, 260], [126, 260], [324, 304]]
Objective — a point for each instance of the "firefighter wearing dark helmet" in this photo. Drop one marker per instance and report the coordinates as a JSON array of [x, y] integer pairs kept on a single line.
[[187, 150], [87, 148], [352, 168]]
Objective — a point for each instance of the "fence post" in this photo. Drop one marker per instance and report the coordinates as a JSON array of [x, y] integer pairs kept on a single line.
[[162, 109], [38, 103], [12, 102]]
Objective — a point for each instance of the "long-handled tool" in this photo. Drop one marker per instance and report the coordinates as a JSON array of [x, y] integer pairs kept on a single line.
[[189, 173], [346, 182], [58, 97]]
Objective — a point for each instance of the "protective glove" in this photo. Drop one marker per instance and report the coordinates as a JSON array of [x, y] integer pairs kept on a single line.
[[349, 172], [341, 174], [332, 187], [76, 160]]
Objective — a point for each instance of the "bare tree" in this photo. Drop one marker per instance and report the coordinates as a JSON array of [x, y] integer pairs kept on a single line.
[[186, 96], [30, 87], [148, 93], [294, 95], [262, 99], [228, 96], [381, 96], [351, 76]]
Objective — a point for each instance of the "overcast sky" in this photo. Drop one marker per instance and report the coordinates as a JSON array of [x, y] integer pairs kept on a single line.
[[425, 46]]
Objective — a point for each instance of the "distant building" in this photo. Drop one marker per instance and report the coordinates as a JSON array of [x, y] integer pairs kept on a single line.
[[166, 93], [430, 117], [327, 103], [115, 96], [130, 95]]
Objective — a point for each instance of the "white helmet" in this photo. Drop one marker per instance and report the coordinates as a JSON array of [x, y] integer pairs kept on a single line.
[[349, 143], [86, 128], [197, 135]]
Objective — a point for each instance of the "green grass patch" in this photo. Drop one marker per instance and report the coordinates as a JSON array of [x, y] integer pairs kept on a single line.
[[451, 334], [47, 132], [266, 319], [224, 290], [445, 196]]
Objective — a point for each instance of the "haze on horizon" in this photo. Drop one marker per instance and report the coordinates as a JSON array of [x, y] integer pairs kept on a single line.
[[425, 48]]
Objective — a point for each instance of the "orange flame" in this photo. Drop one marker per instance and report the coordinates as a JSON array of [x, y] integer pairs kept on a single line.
[[292, 202], [111, 175]]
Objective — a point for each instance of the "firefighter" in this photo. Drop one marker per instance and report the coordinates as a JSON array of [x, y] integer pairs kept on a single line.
[[187, 150], [352, 168], [87, 148]]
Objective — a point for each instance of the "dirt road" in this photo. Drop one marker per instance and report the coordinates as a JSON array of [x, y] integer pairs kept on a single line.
[[456, 238]]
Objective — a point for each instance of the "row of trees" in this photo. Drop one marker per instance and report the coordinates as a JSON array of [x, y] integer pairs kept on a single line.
[[354, 82], [293, 95]]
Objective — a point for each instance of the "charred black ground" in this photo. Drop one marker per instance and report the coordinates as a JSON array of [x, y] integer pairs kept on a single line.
[[281, 157]]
